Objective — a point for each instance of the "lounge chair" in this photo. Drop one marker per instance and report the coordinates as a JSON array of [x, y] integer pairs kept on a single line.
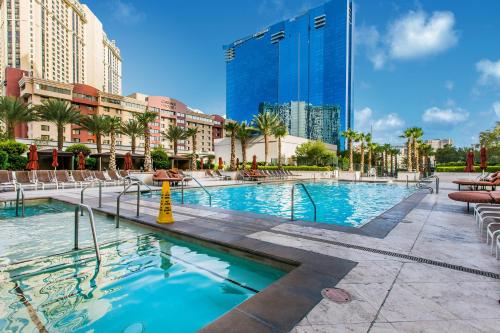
[[212, 175], [222, 176], [123, 173], [6, 180], [63, 179], [81, 178], [45, 178], [492, 181], [26, 179], [161, 176], [114, 175], [482, 197], [102, 177]]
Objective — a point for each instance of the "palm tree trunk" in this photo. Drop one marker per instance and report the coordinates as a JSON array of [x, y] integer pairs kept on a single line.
[[112, 152], [148, 165], [369, 159], [362, 159], [10, 131], [133, 143], [60, 137], [417, 159], [98, 143], [233, 151], [193, 156], [279, 153], [244, 153], [266, 148], [351, 157], [409, 165]]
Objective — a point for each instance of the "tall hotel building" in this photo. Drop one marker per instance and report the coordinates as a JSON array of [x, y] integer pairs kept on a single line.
[[58, 40], [301, 69]]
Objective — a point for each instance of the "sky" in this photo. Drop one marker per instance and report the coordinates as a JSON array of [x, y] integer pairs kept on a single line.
[[433, 64]]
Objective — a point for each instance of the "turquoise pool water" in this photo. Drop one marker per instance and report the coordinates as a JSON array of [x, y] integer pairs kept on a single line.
[[146, 282], [341, 203]]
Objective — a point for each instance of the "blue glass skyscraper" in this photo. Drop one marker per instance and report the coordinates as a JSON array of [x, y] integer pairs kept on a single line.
[[301, 67]]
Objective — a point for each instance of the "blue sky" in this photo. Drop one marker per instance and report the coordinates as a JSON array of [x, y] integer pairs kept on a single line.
[[434, 64]]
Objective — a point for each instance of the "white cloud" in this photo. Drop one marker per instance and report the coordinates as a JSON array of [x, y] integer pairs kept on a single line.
[[414, 35], [450, 85], [383, 129], [489, 71], [448, 116], [125, 12], [496, 108]]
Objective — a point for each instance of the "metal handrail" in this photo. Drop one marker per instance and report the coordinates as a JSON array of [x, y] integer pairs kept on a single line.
[[420, 184], [118, 201], [203, 187], [20, 191], [92, 228], [308, 194], [86, 187]]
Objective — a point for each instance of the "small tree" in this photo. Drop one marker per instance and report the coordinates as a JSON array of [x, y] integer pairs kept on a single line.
[[132, 129], [244, 133], [265, 122], [14, 112], [350, 136], [280, 132], [114, 127], [232, 128], [98, 125], [144, 119], [192, 133]]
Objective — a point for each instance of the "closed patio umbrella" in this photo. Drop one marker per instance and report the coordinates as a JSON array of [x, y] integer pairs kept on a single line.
[[484, 158], [201, 163], [81, 161], [221, 165], [55, 163], [33, 159], [254, 163], [127, 165], [470, 162]]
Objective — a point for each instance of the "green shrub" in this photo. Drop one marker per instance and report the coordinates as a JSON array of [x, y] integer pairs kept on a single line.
[[17, 162], [491, 168], [13, 147], [77, 148], [4, 160], [160, 158], [297, 168], [90, 162]]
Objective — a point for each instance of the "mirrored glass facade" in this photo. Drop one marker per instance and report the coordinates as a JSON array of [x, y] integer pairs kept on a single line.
[[301, 68]]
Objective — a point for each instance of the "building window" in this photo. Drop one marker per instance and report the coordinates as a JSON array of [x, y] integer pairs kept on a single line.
[[76, 140], [90, 140], [45, 128], [45, 137], [76, 131], [106, 142]]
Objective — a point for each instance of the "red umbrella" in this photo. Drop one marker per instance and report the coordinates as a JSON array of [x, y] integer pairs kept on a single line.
[[55, 163], [81, 161], [127, 165], [470, 162], [33, 159], [484, 158], [254, 163], [201, 163], [221, 165]]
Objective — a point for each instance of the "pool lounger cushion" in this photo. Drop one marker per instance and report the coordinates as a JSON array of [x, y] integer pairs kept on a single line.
[[475, 196]]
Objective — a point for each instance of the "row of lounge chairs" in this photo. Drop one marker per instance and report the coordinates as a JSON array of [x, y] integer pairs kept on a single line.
[[174, 177], [257, 175], [486, 181], [488, 222], [58, 179]]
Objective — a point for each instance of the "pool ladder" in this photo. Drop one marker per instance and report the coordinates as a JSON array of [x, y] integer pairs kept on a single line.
[[308, 195], [135, 183], [20, 196], [203, 187], [92, 228], [422, 184]]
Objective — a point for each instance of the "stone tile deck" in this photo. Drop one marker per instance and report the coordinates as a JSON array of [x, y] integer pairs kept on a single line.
[[391, 291]]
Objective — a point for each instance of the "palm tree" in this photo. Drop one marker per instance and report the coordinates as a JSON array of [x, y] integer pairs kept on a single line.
[[361, 138], [417, 134], [426, 151], [192, 132], [243, 134], [14, 112], [408, 135], [386, 149], [60, 113], [394, 154], [232, 129], [144, 119], [174, 134], [372, 148], [350, 135], [132, 129], [114, 127], [280, 132], [98, 126], [265, 122]]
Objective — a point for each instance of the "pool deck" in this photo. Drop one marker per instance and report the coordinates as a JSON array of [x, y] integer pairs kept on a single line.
[[431, 271]]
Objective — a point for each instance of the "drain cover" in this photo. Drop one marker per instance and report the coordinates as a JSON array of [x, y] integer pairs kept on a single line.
[[336, 295]]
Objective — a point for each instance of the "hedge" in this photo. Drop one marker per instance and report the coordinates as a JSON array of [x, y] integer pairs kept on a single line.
[[296, 168], [13, 147], [491, 168]]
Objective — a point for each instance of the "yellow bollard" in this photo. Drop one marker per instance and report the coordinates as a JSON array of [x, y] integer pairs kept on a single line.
[[165, 215]]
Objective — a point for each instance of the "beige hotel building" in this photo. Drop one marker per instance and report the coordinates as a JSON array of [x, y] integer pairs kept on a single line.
[[58, 40]]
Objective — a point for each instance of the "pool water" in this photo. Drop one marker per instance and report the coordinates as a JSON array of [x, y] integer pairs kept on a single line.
[[341, 203], [146, 282]]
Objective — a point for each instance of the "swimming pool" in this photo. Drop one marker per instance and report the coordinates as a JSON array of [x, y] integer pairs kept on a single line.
[[340, 203], [146, 282]]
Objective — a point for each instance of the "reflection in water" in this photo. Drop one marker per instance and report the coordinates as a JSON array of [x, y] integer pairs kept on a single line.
[[148, 281]]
